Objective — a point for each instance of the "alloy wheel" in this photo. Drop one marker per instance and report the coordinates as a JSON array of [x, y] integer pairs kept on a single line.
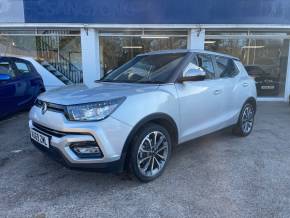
[[248, 119], [152, 153]]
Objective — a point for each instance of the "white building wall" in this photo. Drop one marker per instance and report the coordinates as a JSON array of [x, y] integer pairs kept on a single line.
[[195, 39], [287, 84], [90, 56]]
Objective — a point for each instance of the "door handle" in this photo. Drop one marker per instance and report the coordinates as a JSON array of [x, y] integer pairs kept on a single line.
[[217, 92], [245, 84]]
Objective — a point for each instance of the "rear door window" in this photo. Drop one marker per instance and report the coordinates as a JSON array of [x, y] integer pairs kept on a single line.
[[225, 67]]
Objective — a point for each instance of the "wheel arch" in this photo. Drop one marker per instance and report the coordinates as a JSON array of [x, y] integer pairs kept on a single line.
[[252, 101], [162, 119]]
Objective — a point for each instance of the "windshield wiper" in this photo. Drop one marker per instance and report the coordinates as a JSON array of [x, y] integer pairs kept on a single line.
[[112, 81], [151, 82], [129, 81]]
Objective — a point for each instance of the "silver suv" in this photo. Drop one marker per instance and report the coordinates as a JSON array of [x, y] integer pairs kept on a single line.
[[132, 117]]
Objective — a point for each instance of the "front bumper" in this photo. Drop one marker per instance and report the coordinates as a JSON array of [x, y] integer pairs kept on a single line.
[[57, 155], [109, 134]]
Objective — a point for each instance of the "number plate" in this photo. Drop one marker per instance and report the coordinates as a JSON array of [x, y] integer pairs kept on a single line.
[[267, 87], [40, 138]]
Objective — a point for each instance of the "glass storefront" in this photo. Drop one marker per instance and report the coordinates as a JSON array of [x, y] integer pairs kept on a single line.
[[61, 49], [264, 55], [116, 49]]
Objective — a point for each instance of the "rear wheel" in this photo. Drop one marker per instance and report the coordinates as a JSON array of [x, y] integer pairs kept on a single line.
[[246, 120], [150, 152]]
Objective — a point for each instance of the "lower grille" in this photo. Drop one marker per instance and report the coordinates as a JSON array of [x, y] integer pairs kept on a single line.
[[49, 131]]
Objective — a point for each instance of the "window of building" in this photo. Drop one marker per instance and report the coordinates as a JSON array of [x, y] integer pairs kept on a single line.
[[264, 55], [119, 47], [59, 48]]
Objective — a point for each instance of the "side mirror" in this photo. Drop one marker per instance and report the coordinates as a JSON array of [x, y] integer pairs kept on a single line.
[[4, 77], [196, 74]]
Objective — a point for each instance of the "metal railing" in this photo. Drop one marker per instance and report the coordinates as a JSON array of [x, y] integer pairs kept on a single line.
[[47, 51], [69, 70]]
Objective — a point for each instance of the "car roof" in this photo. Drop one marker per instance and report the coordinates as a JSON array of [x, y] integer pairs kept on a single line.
[[12, 57], [188, 51]]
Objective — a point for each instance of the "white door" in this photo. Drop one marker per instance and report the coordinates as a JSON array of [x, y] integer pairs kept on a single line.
[[228, 76], [200, 102]]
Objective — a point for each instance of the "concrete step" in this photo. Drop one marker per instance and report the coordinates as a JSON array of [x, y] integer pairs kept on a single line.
[[55, 72]]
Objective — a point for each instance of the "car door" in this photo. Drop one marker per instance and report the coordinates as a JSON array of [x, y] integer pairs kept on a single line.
[[8, 98], [28, 88], [227, 76], [199, 101]]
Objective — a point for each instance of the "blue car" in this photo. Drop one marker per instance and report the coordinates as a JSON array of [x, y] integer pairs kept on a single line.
[[20, 84]]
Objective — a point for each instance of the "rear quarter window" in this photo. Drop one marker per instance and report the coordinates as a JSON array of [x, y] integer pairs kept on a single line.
[[23, 67], [241, 68]]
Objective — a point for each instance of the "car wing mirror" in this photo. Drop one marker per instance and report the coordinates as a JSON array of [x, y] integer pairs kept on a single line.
[[4, 77], [196, 74]]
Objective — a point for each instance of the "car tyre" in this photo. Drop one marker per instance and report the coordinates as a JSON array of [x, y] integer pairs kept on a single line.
[[246, 120], [150, 152]]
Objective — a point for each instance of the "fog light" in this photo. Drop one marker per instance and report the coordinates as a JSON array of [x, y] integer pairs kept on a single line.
[[86, 150]]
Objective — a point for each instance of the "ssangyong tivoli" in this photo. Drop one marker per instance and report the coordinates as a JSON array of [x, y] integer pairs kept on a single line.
[[131, 118]]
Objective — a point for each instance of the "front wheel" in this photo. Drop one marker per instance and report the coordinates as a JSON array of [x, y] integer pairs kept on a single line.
[[246, 121], [150, 152]]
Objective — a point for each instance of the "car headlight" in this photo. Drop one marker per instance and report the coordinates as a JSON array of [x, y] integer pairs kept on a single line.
[[93, 111]]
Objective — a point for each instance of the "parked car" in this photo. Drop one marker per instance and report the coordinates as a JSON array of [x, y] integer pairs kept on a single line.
[[134, 115], [266, 84], [20, 84]]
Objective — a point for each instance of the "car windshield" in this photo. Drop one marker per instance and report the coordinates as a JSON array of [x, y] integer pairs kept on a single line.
[[155, 68]]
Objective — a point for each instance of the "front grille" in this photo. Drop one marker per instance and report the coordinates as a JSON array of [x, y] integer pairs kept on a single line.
[[56, 133], [51, 106], [49, 131]]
